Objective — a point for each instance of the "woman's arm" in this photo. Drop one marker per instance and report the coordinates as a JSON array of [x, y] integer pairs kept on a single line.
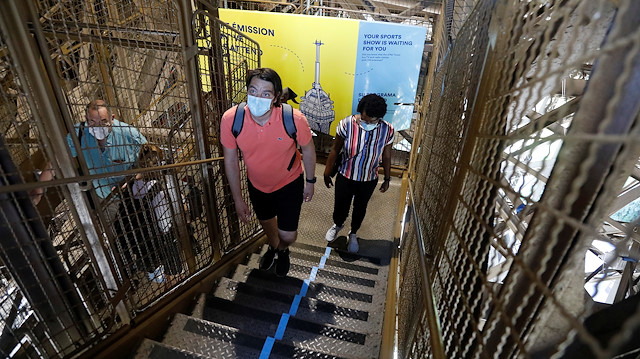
[[338, 143]]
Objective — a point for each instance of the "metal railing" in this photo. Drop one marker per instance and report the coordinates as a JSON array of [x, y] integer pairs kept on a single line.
[[525, 176], [71, 275]]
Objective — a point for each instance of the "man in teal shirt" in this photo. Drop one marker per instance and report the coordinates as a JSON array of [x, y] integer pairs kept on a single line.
[[108, 146]]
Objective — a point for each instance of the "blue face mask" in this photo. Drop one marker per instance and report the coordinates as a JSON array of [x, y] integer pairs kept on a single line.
[[258, 105], [369, 126]]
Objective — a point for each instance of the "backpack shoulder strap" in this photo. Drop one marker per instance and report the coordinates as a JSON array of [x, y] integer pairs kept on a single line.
[[287, 119], [238, 119]]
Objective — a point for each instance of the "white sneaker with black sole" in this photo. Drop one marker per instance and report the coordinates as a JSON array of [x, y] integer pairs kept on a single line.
[[332, 233]]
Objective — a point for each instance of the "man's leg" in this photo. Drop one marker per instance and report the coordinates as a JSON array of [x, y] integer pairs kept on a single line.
[[286, 238], [265, 211], [270, 228], [289, 200]]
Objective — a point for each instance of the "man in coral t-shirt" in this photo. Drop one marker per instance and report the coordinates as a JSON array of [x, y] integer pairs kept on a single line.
[[274, 165]]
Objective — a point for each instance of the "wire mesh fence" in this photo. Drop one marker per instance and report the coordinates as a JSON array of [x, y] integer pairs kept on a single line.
[[222, 67], [109, 205], [528, 203]]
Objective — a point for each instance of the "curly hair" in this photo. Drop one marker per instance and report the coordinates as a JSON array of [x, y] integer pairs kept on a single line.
[[374, 105]]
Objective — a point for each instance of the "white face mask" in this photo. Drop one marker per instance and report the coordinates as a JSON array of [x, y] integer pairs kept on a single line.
[[368, 126], [258, 105], [100, 133]]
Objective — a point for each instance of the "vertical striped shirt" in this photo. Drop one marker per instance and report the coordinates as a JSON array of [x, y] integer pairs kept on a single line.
[[362, 149]]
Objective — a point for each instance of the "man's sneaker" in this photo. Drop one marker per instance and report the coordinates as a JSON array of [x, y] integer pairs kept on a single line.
[[268, 258], [352, 245], [333, 232], [283, 263]]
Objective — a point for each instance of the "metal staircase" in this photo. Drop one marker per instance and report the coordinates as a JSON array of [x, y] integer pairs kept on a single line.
[[331, 305]]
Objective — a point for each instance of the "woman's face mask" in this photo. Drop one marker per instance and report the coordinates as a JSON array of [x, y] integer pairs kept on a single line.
[[369, 126], [258, 105], [100, 133]]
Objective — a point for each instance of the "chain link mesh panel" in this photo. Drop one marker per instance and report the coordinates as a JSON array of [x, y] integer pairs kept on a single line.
[[525, 183], [104, 241], [223, 67], [44, 282]]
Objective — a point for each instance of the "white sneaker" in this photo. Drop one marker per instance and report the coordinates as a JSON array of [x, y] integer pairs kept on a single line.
[[332, 233], [352, 245], [157, 275]]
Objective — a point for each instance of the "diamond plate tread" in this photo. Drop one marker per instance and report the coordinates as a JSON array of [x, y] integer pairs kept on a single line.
[[215, 340], [150, 349], [309, 309], [340, 255], [199, 306], [310, 258], [357, 282], [321, 291], [311, 336], [339, 264]]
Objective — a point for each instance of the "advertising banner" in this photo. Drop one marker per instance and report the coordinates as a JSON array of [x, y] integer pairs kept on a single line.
[[331, 63]]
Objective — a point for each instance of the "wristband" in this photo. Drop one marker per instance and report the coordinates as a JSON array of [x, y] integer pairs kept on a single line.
[[313, 180]]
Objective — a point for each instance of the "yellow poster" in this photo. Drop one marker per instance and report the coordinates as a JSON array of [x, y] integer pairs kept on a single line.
[[331, 63], [289, 45]]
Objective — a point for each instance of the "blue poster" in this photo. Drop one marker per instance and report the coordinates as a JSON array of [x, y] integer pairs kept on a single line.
[[388, 64]]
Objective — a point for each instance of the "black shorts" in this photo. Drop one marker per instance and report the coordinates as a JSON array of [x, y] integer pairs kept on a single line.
[[285, 203]]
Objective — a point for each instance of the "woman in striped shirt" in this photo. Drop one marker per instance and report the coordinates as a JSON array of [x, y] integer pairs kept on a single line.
[[364, 140]]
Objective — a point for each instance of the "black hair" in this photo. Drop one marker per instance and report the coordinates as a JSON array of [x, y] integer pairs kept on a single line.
[[267, 74], [374, 105]]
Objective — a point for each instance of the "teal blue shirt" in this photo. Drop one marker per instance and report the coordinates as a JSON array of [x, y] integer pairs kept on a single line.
[[120, 153]]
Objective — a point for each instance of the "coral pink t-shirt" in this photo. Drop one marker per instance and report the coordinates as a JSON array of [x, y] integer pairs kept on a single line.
[[267, 150]]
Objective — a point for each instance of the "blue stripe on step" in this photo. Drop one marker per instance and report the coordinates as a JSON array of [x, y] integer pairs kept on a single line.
[[266, 348], [282, 326]]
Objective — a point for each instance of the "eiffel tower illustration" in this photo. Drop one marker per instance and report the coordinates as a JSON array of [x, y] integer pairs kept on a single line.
[[316, 104]]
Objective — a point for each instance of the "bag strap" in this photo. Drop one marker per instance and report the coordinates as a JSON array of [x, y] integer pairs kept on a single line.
[[343, 152], [238, 119], [289, 123], [287, 120]]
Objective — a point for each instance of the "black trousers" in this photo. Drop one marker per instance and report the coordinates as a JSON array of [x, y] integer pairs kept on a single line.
[[347, 191]]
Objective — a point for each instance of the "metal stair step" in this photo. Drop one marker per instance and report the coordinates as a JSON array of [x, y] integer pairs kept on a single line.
[[337, 258], [334, 262], [310, 336], [215, 340], [291, 285], [150, 349], [302, 270], [221, 341], [342, 255], [308, 309]]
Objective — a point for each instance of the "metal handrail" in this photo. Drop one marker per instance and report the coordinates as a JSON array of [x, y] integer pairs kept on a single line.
[[86, 178], [437, 345]]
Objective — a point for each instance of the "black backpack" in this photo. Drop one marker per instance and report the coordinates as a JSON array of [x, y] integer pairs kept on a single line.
[[287, 120]]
